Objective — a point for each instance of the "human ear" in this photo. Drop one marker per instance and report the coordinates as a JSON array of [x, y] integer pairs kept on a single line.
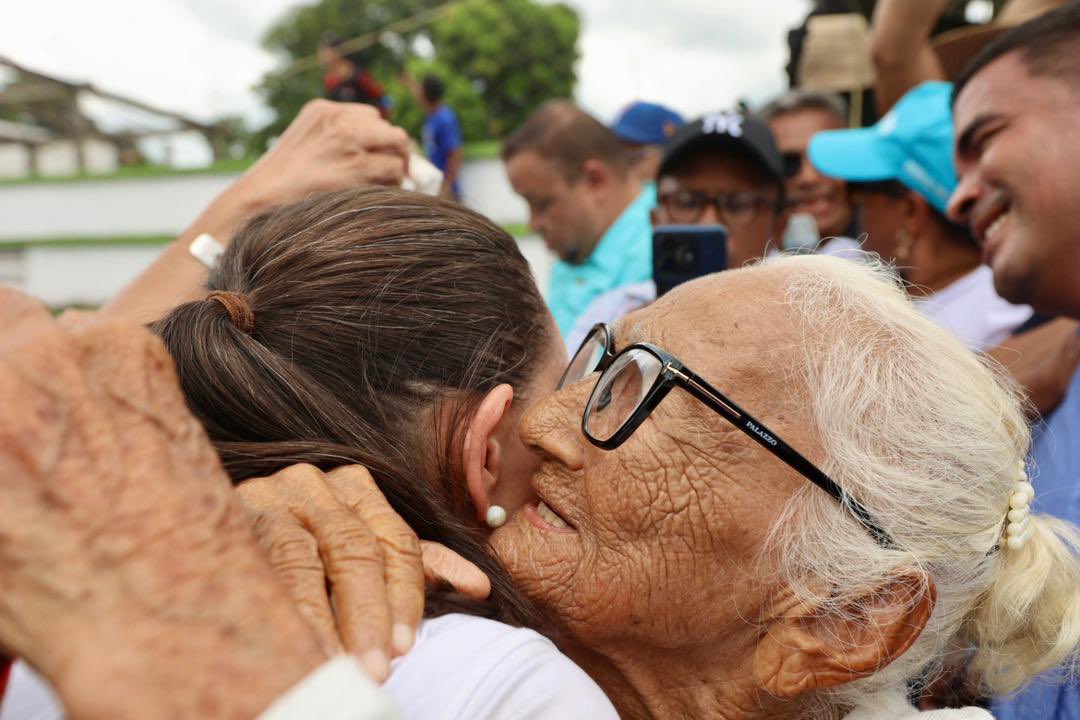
[[811, 648], [916, 213], [595, 173], [482, 452]]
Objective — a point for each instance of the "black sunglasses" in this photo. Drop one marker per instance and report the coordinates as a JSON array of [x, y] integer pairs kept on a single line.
[[634, 381], [792, 163]]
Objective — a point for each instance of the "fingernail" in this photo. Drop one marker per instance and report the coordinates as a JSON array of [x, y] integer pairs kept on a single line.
[[376, 664], [402, 638]]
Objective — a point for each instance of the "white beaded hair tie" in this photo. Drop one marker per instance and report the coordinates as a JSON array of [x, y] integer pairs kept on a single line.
[[1017, 529]]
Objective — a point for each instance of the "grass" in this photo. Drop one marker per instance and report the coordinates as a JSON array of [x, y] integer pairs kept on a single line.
[[136, 172], [483, 150], [84, 241], [517, 230]]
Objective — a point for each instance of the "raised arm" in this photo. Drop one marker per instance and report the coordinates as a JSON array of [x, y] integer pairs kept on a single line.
[[900, 46], [329, 146]]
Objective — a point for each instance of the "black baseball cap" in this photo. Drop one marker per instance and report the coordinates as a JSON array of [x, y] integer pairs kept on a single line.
[[730, 129]]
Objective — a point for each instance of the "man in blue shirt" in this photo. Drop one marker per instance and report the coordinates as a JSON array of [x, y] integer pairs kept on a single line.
[[584, 202], [1016, 108], [441, 134]]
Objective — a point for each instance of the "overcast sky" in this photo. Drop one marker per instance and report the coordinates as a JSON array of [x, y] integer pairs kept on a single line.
[[202, 57]]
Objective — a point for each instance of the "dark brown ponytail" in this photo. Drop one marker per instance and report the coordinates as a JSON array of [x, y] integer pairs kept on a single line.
[[371, 313]]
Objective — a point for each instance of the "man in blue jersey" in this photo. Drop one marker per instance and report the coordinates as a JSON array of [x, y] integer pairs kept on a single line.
[[441, 134]]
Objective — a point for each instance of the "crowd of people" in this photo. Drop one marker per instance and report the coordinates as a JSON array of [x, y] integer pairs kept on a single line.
[[334, 454]]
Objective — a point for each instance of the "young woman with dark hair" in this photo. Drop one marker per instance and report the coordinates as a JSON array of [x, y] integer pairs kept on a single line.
[[405, 334]]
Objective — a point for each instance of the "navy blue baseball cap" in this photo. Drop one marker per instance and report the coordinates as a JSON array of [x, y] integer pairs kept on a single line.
[[731, 129], [913, 143], [643, 123]]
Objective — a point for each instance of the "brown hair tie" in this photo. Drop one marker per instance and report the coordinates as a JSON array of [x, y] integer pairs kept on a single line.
[[240, 312]]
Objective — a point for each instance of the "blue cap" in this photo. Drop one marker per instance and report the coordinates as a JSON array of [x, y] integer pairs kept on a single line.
[[913, 143], [643, 123]]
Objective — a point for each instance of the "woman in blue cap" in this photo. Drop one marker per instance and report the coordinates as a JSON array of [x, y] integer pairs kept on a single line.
[[901, 175]]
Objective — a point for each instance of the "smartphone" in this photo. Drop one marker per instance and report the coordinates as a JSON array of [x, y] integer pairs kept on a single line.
[[685, 252]]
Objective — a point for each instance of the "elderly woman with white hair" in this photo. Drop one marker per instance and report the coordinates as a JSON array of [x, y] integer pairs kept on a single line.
[[812, 549], [782, 492]]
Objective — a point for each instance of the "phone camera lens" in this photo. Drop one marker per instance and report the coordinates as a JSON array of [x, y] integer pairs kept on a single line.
[[685, 257]]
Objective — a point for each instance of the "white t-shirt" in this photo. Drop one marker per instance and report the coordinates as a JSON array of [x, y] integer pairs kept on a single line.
[[972, 310], [469, 667], [461, 667]]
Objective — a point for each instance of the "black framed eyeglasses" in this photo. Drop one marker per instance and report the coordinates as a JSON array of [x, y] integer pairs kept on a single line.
[[634, 381], [737, 209]]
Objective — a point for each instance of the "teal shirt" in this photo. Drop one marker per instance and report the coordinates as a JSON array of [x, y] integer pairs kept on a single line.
[[623, 256]]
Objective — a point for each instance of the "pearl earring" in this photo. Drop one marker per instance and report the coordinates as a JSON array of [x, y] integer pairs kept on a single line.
[[904, 241], [496, 516]]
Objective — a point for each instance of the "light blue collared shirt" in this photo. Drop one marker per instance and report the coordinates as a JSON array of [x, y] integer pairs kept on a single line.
[[623, 256], [1054, 469]]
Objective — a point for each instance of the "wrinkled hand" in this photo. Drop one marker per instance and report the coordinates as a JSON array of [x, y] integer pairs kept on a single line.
[[125, 559], [329, 146], [1043, 361], [336, 530]]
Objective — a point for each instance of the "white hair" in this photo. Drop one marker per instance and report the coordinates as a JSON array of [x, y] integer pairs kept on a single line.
[[931, 438]]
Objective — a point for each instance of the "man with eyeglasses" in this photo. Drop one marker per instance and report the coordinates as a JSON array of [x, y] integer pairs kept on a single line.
[[723, 168]]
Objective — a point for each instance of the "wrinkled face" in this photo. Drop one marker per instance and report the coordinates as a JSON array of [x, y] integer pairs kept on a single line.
[[563, 213], [823, 197], [1017, 154], [714, 173], [662, 548]]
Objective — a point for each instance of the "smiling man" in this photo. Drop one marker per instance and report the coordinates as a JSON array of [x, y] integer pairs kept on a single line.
[[794, 118], [1017, 116]]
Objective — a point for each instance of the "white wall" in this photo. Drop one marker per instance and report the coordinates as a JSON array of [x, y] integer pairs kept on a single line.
[[89, 274], [108, 208], [485, 187], [60, 158], [14, 160], [83, 275]]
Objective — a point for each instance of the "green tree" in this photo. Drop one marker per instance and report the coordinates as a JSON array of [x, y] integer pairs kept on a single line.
[[515, 53], [498, 58]]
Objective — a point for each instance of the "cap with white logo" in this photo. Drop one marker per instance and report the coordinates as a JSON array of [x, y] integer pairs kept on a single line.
[[725, 129]]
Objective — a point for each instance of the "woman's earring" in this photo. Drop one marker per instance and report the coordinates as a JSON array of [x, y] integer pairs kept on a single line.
[[904, 241], [496, 516]]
